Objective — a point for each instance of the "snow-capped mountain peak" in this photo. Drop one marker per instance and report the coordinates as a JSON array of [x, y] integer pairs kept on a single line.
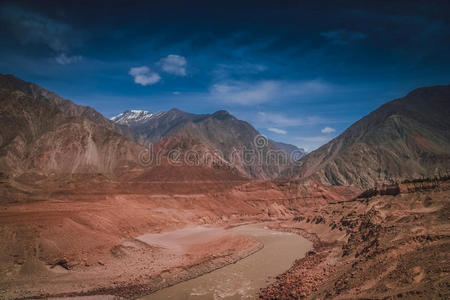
[[134, 116]]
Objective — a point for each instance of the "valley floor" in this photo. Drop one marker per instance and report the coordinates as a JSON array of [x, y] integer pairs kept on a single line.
[[99, 241]]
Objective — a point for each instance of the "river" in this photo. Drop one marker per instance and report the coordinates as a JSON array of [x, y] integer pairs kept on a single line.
[[243, 279]]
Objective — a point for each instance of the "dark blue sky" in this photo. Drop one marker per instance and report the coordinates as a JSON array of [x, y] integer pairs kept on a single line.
[[300, 72]]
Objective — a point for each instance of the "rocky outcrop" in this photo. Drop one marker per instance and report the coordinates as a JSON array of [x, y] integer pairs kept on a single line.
[[381, 247]]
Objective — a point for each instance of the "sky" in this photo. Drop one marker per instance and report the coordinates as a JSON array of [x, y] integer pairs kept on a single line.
[[301, 72]]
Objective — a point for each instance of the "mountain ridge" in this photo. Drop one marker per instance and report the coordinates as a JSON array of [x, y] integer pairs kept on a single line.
[[208, 134], [47, 133], [51, 134], [404, 138]]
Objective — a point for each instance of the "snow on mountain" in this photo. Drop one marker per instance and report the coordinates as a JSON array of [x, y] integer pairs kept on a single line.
[[135, 116]]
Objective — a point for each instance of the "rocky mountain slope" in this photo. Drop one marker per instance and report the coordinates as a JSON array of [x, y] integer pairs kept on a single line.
[[404, 138], [219, 136], [44, 133], [152, 127]]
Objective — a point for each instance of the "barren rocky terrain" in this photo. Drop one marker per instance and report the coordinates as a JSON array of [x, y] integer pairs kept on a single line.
[[372, 246], [380, 247], [85, 241], [82, 213]]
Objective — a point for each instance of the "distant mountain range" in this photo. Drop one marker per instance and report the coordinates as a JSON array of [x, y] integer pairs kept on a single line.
[[293, 151], [44, 133], [208, 134], [154, 126]]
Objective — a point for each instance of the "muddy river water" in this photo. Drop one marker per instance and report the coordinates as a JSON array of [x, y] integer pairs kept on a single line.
[[243, 279]]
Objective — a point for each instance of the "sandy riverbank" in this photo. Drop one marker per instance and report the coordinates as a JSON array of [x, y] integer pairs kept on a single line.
[[243, 279], [144, 265]]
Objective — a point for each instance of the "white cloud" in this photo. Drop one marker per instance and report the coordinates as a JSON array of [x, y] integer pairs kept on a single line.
[[265, 119], [310, 143], [328, 130], [317, 139], [174, 64], [144, 76], [244, 93], [225, 71], [257, 92], [63, 59], [276, 130]]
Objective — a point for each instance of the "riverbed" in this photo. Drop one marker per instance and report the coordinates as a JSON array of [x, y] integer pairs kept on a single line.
[[243, 279]]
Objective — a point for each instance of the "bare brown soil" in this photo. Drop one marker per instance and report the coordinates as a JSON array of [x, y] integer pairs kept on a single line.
[[82, 236], [381, 247], [90, 245]]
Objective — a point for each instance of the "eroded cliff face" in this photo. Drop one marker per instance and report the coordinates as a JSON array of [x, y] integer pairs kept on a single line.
[[405, 138], [390, 244]]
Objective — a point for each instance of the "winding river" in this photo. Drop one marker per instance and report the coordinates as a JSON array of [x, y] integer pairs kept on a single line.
[[243, 279]]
